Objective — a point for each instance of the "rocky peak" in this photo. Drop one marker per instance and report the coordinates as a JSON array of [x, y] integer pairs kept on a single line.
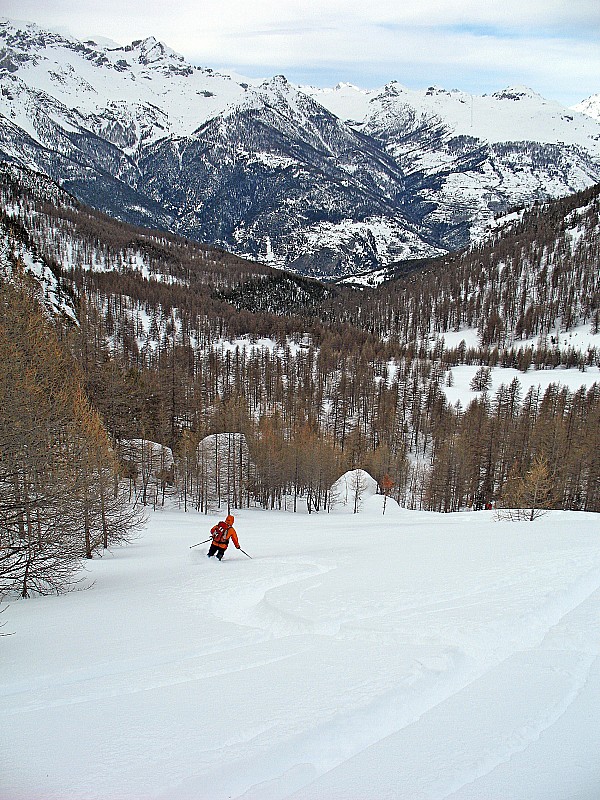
[[517, 93]]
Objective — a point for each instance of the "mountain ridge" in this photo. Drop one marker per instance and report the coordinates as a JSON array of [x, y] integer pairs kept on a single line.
[[324, 182]]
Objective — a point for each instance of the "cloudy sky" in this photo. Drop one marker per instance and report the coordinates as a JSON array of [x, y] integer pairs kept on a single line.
[[478, 46]]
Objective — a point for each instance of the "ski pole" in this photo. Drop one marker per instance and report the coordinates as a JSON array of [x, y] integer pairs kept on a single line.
[[245, 553], [196, 545]]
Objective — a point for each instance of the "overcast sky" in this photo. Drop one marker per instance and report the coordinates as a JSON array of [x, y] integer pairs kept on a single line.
[[479, 46]]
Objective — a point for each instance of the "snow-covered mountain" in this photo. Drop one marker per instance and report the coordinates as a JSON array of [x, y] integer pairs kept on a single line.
[[467, 156], [590, 106], [326, 182]]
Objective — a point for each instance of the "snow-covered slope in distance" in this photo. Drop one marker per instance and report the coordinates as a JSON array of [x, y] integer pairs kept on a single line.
[[511, 115], [128, 95], [467, 157], [590, 106]]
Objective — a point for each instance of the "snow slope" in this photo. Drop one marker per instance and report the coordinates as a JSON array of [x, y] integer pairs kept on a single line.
[[590, 106], [130, 94], [573, 379], [403, 656], [513, 114]]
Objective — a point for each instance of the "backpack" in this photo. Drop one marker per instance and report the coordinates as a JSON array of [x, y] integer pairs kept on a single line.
[[219, 532]]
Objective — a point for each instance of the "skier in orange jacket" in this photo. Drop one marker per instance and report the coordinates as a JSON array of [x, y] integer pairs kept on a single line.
[[221, 533]]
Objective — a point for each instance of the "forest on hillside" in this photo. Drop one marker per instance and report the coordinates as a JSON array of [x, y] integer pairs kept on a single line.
[[177, 342]]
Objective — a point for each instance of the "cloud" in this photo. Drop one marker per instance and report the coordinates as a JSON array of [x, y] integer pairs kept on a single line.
[[508, 14], [548, 44]]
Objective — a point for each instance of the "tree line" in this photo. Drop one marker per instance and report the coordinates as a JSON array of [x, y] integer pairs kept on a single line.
[[177, 342]]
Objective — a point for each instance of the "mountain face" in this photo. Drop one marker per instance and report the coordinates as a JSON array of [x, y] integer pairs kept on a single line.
[[590, 106], [324, 182]]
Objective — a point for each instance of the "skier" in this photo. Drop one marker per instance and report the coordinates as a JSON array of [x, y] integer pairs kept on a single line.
[[221, 533]]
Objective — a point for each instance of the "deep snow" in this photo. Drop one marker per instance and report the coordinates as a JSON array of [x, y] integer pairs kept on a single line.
[[355, 657]]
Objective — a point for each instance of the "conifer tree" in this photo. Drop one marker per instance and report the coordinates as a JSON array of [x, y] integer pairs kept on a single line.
[[57, 499]]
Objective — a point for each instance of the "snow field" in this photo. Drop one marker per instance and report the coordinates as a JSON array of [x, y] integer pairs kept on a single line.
[[362, 656], [463, 374]]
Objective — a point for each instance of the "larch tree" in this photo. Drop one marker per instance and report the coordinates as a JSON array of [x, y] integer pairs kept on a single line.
[[56, 473], [531, 494]]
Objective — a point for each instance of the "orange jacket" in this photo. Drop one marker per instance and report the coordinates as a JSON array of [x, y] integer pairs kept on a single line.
[[231, 534]]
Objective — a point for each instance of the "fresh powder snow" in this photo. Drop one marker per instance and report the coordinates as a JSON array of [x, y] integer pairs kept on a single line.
[[360, 656]]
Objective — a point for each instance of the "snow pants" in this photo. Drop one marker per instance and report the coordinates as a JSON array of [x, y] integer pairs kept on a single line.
[[213, 550]]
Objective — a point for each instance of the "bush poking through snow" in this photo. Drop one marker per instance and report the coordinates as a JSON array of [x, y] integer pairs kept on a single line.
[[529, 496]]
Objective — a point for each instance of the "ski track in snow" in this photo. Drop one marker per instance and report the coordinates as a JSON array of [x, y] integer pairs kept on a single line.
[[453, 668], [564, 682], [387, 714]]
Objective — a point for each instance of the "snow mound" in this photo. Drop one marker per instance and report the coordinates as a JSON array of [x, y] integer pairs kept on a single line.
[[353, 490], [357, 491], [380, 504], [145, 456]]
